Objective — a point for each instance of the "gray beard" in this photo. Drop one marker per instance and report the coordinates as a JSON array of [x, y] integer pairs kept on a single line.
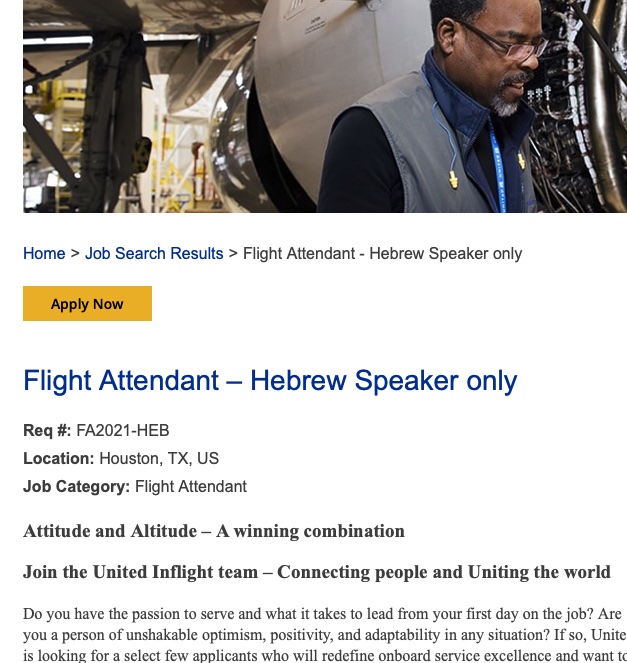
[[503, 108]]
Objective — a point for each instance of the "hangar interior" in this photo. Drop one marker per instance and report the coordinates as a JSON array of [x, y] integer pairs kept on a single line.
[[139, 106], [177, 175]]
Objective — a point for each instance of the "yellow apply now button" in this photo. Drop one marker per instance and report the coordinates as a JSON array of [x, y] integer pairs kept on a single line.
[[72, 303]]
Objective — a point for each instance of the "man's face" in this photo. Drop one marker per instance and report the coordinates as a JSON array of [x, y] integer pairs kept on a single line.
[[481, 68]]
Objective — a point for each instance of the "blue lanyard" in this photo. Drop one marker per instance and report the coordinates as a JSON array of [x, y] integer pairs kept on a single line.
[[500, 171]]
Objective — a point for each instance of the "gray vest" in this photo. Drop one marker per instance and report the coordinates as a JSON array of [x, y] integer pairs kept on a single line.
[[423, 150]]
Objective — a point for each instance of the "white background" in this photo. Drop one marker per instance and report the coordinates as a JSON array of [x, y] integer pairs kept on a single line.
[[533, 478]]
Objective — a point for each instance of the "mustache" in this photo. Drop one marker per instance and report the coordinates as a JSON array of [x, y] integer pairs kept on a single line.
[[523, 78]]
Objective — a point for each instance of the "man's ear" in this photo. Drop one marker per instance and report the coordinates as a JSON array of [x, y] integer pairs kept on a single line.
[[446, 33]]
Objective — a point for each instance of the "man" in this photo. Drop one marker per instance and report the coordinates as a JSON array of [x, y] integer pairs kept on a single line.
[[451, 137]]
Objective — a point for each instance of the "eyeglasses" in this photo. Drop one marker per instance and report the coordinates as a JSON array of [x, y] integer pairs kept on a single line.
[[518, 52]]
